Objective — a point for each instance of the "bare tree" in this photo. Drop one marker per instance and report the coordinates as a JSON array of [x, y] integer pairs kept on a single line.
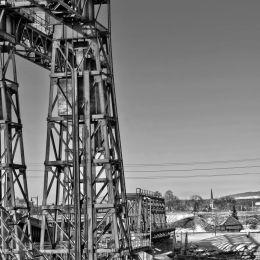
[[234, 212], [171, 201], [225, 203], [197, 202]]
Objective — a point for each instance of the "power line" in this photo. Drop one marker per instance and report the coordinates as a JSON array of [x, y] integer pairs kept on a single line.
[[180, 170], [192, 162], [176, 176], [188, 176], [177, 163], [198, 169]]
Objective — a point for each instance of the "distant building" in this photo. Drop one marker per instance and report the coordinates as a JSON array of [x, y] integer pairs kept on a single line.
[[231, 225], [257, 205]]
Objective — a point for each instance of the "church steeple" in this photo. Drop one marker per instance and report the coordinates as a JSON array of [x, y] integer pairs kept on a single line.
[[211, 201]]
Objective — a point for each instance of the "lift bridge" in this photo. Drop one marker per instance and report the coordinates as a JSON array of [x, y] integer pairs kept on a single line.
[[147, 218], [84, 208]]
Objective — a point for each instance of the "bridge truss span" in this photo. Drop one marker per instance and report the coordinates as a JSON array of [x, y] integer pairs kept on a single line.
[[147, 215]]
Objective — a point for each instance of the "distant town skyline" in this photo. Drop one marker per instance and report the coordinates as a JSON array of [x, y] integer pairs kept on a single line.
[[188, 94]]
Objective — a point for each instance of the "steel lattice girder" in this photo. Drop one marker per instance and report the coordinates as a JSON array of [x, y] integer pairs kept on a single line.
[[34, 46], [18, 26], [32, 35], [78, 11]]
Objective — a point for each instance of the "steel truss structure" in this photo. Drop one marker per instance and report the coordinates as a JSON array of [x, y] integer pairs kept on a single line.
[[85, 214], [12, 156], [83, 155], [15, 234], [147, 214]]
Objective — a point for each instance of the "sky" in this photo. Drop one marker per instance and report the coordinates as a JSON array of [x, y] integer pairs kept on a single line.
[[188, 95]]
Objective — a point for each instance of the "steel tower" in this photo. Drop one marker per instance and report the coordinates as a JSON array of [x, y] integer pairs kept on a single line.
[[15, 234], [12, 156], [84, 200], [84, 203]]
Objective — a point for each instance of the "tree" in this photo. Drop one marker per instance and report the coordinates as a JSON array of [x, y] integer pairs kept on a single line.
[[197, 202], [234, 212], [171, 201], [252, 222], [168, 199], [229, 200], [157, 193], [225, 203], [216, 221]]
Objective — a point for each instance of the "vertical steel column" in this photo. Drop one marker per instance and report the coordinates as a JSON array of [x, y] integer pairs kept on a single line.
[[88, 174], [76, 163]]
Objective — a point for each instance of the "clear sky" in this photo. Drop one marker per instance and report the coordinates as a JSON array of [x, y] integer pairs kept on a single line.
[[188, 90]]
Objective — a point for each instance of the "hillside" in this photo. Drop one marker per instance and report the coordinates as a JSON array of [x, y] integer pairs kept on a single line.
[[247, 195]]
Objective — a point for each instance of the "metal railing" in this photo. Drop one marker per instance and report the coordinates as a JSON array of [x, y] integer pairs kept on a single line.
[[149, 193], [38, 22], [140, 240]]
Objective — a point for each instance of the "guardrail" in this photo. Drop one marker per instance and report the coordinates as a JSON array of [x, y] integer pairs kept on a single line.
[[140, 240], [38, 22], [148, 193]]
